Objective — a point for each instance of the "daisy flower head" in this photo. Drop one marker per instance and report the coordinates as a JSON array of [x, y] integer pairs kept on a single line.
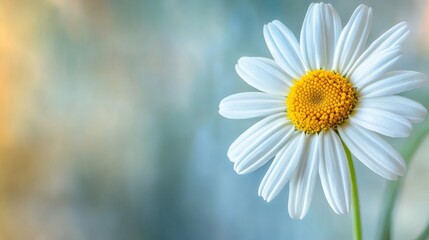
[[316, 95]]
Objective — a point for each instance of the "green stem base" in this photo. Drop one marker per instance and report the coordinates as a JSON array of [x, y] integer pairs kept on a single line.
[[357, 225]]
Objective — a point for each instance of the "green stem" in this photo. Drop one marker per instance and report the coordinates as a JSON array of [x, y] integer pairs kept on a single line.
[[357, 225]]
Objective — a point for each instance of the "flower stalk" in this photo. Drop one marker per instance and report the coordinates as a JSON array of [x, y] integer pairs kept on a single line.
[[357, 225]]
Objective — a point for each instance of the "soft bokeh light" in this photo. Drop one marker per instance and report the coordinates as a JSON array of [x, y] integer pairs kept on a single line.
[[109, 125]]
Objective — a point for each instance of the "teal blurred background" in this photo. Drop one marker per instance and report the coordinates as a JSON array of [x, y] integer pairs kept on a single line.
[[109, 125]]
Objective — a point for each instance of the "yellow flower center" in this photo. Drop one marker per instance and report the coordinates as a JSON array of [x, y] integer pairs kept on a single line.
[[320, 100]]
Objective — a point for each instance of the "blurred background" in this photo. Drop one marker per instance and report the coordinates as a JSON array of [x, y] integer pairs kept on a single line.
[[109, 125]]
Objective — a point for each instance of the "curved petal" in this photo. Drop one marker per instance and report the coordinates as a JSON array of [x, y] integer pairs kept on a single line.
[[334, 22], [319, 34], [250, 134], [264, 74], [259, 143], [251, 104], [373, 151], [334, 173], [284, 48], [308, 55], [282, 168], [375, 66], [391, 38], [302, 183], [383, 122], [352, 39], [394, 82], [402, 106]]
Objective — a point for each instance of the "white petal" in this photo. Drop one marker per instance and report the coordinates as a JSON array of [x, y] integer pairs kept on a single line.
[[411, 110], [334, 23], [282, 168], [375, 66], [319, 34], [383, 122], [284, 48], [250, 134], [310, 40], [394, 82], [264, 74], [352, 39], [302, 183], [392, 38], [334, 173], [259, 143], [373, 151], [251, 104]]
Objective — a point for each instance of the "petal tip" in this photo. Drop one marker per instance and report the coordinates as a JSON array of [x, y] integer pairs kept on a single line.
[[230, 155], [275, 22], [238, 168], [243, 59], [402, 170], [269, 198]]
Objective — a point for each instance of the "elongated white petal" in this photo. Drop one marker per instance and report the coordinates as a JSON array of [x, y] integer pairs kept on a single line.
[[352, 39], [334, 173], [248, 136], [263, 149], [375, 66], [302, 183], [251, 104], [259, 143], [333, 22], [284, 48], [310, 40], [411, 110], [392, 38], [264, 74], [319, 34], [394, 82], [282, 168], [373, 151], [383, 122]]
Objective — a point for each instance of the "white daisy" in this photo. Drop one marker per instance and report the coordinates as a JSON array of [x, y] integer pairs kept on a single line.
[[317, 94]]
